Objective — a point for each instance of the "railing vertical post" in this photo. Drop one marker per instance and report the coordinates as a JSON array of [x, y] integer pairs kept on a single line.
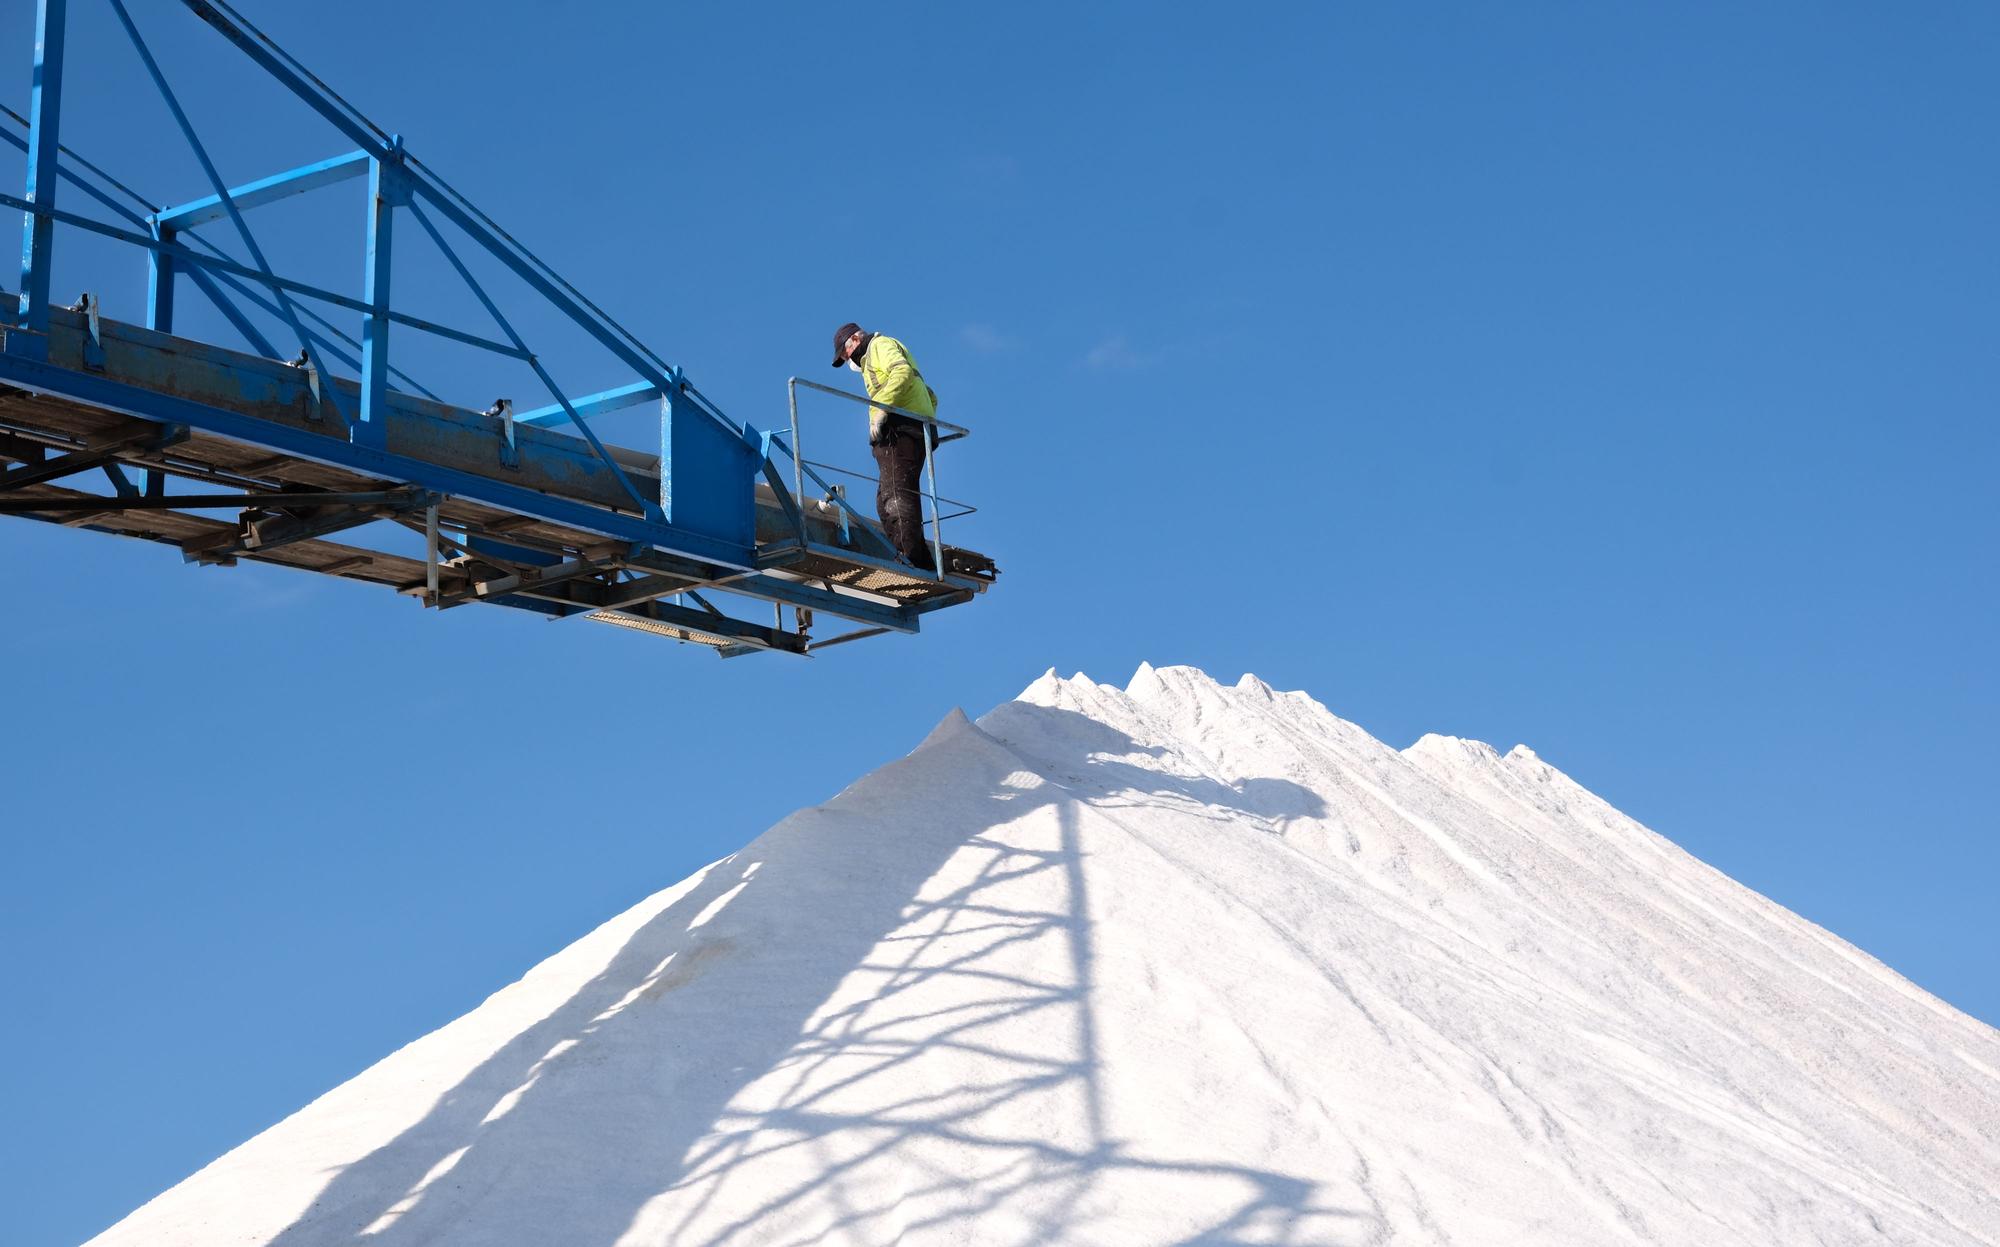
[[676, 380], [160, 282], [431, 555], [937, 514], [385, 190], [798, 459], [44, 113]]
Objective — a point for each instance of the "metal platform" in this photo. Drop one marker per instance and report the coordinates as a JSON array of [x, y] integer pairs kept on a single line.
[[230, 454], [285, 505]]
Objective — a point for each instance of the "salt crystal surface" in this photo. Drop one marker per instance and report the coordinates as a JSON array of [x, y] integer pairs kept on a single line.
[[1179, 963]]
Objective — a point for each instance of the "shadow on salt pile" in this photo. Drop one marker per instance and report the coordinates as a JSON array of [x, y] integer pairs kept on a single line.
[[1052, 738], [847, 1047]]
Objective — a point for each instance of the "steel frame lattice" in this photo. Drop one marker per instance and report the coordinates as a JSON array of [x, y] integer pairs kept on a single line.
[[512, 512]]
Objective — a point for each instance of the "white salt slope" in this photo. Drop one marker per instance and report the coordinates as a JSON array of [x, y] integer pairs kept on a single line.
[[1174, 963]]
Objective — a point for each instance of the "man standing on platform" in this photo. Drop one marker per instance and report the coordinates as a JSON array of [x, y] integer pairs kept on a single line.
[[897, 441]]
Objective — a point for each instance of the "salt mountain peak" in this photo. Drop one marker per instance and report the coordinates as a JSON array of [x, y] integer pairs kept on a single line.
[[1173, 963]]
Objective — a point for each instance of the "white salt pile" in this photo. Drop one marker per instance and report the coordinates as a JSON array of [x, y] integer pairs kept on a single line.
[[1181, 963]]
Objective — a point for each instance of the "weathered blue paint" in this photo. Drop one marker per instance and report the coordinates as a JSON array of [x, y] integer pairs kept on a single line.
[[149, 404], [707, 471]]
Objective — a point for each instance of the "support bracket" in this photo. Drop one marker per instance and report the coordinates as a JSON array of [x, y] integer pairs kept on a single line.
[[93, 332]]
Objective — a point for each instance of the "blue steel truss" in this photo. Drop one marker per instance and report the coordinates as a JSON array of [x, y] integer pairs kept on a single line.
[[529, 509]]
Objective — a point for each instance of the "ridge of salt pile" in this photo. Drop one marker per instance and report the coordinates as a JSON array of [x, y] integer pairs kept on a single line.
[[1171, 963]]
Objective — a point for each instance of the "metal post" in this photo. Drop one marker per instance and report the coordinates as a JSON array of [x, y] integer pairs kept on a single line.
[[385, 191], [799, 459], [937, 516], [44, 111], [670, 392], [221, 191], [431, 554], [160, 283]]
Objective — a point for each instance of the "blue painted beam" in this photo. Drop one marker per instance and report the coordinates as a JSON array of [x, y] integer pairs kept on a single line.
[[384, 193], [209, 171], [161, 268], [44, 112], [212, 287], [426, 185], [657, 548], [76, 179], [594, 404], [160, 285], [651, 510], [193, 260], [100, 391], [265, 190]]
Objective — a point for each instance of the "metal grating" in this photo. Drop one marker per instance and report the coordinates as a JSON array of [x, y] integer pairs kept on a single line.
[[655, 628]]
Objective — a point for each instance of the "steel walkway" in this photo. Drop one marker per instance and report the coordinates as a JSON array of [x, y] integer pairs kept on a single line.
[[230, 454]]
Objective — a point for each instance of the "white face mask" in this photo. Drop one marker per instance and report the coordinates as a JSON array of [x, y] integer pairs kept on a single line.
[[851, 364]]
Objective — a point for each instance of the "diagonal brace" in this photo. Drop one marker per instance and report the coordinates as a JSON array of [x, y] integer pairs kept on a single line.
[[269, 532], [525, 582], [148, 436]]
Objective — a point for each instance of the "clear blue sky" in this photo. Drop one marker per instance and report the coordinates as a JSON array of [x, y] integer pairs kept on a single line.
[[1620, 381]]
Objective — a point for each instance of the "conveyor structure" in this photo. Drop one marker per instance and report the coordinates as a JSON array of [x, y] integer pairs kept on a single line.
[[727, 536]]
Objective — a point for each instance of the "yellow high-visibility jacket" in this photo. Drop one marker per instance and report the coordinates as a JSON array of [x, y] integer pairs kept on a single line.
[[892, 377]]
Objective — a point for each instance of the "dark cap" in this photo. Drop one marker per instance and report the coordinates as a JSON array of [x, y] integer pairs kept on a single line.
[[840, 337]]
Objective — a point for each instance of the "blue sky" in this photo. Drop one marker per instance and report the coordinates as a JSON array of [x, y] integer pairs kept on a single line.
[[1617, 381]]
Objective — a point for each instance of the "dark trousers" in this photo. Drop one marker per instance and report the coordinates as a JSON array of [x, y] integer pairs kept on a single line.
[[899, 470]]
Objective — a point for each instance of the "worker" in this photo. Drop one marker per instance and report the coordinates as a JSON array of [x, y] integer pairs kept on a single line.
[[897, 441]]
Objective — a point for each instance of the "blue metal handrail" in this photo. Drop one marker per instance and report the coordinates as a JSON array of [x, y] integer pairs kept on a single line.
[[222, 264], [133, 215]]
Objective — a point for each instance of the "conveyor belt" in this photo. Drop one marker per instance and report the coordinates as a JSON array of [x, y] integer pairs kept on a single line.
[[509, 548]]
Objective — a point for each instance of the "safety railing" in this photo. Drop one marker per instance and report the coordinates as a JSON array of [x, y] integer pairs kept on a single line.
[[933, 504]]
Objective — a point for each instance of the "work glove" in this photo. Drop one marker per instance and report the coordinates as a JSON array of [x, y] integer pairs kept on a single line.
[[878, 427]]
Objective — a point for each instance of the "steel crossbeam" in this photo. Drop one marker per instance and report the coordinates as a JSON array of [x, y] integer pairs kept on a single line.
[[44, 113], [592, 404], [187, 256], [100, 391], [264, 190]]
